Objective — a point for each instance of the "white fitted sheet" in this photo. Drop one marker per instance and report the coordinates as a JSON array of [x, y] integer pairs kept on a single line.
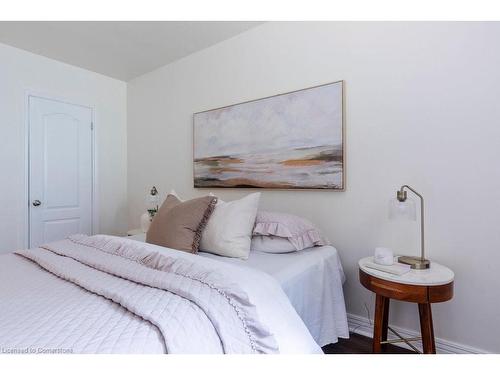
[[312, 280]]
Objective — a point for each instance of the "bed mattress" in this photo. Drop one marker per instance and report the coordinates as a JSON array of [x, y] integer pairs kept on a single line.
[[312, 280]]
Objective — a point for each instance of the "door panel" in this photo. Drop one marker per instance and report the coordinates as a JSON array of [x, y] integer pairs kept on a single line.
[[60, 170], [61, 160], [56, 229]]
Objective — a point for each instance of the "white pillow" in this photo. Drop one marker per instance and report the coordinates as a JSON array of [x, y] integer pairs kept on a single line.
[[272, 244], [229, 229]]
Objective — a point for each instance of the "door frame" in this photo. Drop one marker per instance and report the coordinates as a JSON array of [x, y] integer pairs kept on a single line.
[[95, 197]]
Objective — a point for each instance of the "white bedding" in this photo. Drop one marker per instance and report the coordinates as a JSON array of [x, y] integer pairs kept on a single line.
[[42, 311], [312, 280]]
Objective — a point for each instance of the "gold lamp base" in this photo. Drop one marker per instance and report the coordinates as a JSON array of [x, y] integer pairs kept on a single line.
[[416, 263]]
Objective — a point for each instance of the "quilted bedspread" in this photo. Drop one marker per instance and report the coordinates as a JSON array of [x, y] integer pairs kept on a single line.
[[104, 294]]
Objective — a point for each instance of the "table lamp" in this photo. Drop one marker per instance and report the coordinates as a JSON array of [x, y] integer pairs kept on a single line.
[[152, 201], [403, 207]]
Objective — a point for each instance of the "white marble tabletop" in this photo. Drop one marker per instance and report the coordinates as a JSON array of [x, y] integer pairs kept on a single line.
[[437, 274]]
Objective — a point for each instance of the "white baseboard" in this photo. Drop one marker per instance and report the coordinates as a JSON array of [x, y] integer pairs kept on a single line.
[[362, 326]]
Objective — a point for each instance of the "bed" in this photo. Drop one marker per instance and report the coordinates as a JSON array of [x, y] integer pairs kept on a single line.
[[105, 294], [312, 280]]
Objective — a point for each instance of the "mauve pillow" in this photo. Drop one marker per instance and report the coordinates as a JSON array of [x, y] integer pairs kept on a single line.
[[178, 225], [272, 244], [300, 232]]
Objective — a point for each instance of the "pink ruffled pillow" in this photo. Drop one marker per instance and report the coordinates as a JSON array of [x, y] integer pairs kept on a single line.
[[300, 232]]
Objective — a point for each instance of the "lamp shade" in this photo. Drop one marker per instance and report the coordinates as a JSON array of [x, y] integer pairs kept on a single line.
[[404, 210], [152, 199]]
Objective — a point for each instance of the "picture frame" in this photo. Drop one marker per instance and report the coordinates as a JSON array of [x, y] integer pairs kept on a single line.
[[288, 141]]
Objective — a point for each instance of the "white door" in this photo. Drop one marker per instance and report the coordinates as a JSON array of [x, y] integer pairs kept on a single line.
[[60, 170]]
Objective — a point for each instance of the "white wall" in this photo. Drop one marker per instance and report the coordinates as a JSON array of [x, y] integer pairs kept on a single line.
[[421, 109], [21, 71]]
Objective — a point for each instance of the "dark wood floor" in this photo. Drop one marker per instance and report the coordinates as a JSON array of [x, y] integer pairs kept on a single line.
[[358, 344]]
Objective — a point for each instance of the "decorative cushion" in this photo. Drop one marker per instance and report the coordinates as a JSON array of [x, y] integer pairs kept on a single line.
[[229, 230], [272, 244], [300, 232], [178, 225]]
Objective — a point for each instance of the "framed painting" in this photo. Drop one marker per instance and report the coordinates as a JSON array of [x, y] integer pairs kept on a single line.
[[287, 141]]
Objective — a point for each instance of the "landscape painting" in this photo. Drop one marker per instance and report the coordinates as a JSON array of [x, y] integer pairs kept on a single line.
[[287, 141]]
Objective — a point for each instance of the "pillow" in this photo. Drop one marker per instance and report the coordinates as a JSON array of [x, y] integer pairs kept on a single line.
[[229, 230], [300, 232], [179, 225], [272, 244]]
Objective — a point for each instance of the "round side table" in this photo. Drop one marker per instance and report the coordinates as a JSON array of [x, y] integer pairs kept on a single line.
[[418, 286]]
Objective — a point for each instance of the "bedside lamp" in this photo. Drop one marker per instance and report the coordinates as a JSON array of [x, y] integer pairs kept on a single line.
[[402, 207], [153, 201]]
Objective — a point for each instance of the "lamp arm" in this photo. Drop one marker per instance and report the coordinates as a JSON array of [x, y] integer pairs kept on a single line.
[[412, 190], [422, 236]]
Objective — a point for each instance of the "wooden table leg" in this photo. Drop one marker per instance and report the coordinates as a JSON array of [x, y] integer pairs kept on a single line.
[[426, 328], [385, 321], [380, 323]]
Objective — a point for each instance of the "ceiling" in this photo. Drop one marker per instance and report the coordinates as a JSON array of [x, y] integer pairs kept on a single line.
[[119, 49]]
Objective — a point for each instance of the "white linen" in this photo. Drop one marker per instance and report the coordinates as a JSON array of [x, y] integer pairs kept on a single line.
[[312, 280], [229, 229], [60, 315]]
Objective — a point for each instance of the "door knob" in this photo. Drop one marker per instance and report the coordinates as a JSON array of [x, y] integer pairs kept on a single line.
[[36, 203]]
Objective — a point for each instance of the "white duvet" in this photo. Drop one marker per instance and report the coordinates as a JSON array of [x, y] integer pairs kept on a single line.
[[113, 295], [311, 279]]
